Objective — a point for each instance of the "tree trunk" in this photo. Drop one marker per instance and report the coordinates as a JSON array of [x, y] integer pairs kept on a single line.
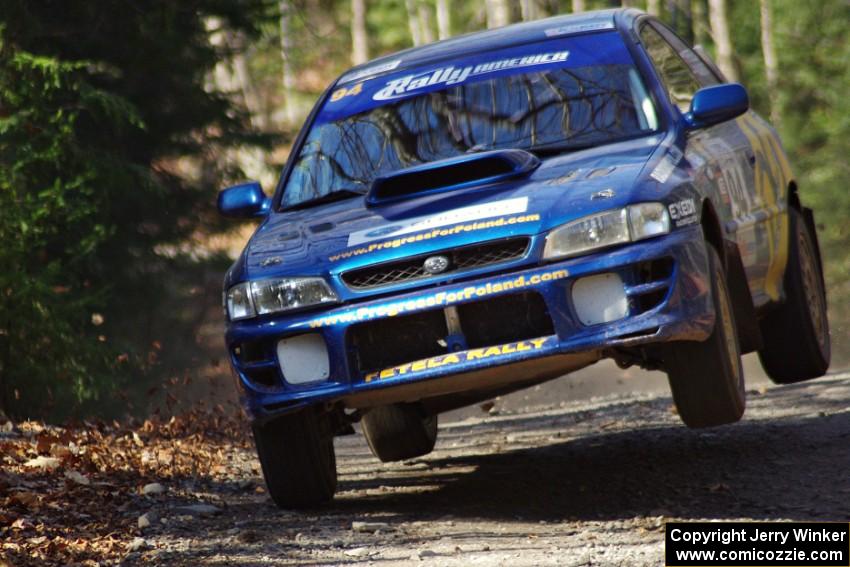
[[653, 7], [444, 19], [359, 37], [529, 10], [578, 5], [498, 13], [722, 38], [771, 65], [688, 33], [233, 75], [286, 58], [425, 22], [701, 33], [413, 21], [249, 91]]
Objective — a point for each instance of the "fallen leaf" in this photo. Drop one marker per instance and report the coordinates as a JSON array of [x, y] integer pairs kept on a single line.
[[23, 498], [44, 442], [21, 524], [77, 477], [44, 463], [153, 488]]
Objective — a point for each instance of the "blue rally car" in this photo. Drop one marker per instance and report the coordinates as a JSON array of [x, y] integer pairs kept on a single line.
[[475, 216]]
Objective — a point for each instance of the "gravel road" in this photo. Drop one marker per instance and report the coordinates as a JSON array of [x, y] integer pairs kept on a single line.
[[582, 482]]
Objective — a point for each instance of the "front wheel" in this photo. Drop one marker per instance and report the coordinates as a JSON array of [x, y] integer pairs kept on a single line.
[[706, 378], [399, 431], [297, 455], [796, 333]]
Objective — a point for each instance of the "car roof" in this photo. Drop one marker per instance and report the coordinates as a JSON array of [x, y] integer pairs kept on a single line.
[[487, 40]]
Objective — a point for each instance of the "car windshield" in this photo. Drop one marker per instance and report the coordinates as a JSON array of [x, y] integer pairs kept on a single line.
[[567, 93]]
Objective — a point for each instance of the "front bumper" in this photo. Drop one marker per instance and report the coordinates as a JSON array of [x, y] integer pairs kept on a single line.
[[664, 305]]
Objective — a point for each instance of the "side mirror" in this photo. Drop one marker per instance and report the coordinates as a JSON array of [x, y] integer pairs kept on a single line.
[[713, 105], [244, 201]]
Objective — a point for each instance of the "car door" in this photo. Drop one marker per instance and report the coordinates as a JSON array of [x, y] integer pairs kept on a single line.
[[721, 156], [767, 191], [771, 179]]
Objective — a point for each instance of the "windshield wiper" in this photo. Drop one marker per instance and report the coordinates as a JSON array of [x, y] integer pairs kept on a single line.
[[338, 195], [556, 148]]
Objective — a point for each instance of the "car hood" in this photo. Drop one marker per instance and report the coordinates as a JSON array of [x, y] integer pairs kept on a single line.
[[333, 238]]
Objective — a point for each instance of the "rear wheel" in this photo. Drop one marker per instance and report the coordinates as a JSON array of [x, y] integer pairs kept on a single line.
[[297, 456], [399, 431], [796, 333], [706, 378]]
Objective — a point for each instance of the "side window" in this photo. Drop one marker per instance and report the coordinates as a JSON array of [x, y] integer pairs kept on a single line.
[[677, 77]]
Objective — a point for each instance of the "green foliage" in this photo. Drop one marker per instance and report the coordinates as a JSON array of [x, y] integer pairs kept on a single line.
[[48, 198], [98, 101], [814, 52]]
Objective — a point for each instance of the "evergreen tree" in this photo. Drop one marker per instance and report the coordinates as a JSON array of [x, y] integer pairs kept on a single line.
[[98, 99]]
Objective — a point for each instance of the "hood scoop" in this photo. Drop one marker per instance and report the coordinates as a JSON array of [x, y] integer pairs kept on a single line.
[[459, 172]]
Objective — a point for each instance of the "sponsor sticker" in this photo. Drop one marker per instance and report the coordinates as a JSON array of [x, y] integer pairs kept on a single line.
[[455, 358], [454, 216], [432, 234], [683, 212], [438, 299], [667, 165], [343, 92], [451, 75], [369, 71], [391, 83], [578, 28]]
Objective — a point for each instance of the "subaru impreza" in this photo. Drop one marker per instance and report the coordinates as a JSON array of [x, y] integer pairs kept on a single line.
[[483, 214]]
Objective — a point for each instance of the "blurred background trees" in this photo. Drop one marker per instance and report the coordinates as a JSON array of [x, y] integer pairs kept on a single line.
[[119, 121], [108, 141]]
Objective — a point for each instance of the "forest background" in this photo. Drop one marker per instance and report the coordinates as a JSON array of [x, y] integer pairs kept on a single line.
[[120, 121]]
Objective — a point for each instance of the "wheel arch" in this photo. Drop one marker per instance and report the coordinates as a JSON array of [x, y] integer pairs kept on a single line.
[[712, 230], [794, 196], [746, 318], [808, 215]]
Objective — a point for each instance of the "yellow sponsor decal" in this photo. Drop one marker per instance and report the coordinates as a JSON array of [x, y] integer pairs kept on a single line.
[[772, 176], [456, 358], [440, 299], [435, 233], [343, 92]]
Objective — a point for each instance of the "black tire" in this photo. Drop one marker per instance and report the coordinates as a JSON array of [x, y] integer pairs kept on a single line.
[[297, 456], [707, 378], [796, 333], [399, 431]]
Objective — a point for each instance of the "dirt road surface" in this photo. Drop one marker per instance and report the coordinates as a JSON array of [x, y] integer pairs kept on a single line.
[[539, 480]]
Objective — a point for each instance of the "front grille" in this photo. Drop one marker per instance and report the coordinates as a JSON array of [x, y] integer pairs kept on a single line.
[[384, 343], [395, 340], [460, 259], [505, 319]]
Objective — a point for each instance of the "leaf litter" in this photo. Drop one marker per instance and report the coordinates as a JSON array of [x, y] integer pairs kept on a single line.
[[73, 495]]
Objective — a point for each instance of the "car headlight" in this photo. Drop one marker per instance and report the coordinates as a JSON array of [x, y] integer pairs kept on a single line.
[[274, 295], [608, 228]]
